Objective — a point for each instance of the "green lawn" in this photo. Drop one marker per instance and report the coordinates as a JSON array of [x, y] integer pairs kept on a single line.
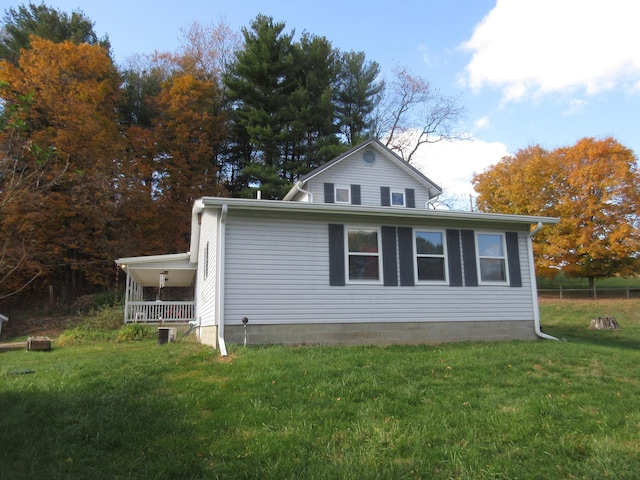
[[511, 410]]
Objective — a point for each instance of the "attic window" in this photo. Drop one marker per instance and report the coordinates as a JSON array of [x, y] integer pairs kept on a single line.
[[369, 157], [343, 195]]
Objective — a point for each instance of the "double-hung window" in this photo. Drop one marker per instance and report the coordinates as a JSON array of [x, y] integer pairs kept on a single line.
[[363, 254], [431, 265], [492, 258]]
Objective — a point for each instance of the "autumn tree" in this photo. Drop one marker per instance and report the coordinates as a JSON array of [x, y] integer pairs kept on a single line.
[[18, 25], [73, 91], [187, 134], [26, 171], [206, 51], [592, 186]]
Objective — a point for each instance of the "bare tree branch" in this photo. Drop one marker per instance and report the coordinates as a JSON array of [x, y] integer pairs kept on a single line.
[[413, 106]]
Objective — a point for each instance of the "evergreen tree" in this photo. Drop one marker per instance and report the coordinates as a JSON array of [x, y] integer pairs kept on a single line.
[[357, 95], [44, 22], [259, 85], [313, 130]]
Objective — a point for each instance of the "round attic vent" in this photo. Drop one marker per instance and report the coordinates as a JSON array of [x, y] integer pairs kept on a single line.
[[369, 157]]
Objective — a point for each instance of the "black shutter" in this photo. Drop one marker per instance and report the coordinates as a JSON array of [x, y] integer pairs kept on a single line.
[[410, 197], [405, 246], [513, 259], [329, 193], [385, 196], [336, 255], [469, 258], [454, 258], [389, 257], [355, 195]]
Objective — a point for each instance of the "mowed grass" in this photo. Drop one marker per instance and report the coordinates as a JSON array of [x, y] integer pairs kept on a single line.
[[508, 410]]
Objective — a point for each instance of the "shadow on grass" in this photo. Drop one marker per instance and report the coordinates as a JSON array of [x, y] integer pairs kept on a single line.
[[100, 432], [622, 338]]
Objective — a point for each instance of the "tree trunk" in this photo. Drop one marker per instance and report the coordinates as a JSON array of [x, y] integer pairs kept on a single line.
[[604, 323], [592, 287]]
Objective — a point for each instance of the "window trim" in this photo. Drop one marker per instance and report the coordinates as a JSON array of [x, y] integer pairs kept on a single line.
[[504, 258], [347, 254], [335, 194], [444, 256]]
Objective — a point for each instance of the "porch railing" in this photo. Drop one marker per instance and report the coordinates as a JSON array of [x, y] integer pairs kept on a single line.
[[159, 312]]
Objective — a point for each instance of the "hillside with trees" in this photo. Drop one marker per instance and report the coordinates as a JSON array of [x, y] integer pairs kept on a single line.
[[100, 161]]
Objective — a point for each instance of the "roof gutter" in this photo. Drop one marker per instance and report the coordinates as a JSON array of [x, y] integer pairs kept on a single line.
[[369, 211], [220, 279], [534, 287]]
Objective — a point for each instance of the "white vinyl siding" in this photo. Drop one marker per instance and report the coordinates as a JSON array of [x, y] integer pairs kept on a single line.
[[205, 293], [277, 272], [383, 173]]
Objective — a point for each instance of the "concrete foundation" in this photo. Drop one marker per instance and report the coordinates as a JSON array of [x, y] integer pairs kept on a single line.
[[385, 333], [208, 335]]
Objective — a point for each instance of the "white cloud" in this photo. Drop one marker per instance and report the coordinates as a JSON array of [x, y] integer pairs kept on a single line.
[[452, 164], [530, 48], [481, 123]]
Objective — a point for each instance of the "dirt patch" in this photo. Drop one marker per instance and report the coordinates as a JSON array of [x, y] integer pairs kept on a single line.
[[37, 325]]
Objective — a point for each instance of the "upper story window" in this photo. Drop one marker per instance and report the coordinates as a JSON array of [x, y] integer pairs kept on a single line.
[[363, 254], [492, 258], [343, 195], [431, 265], [397, 198]]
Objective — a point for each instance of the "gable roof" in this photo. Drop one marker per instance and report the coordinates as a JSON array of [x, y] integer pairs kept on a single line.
[[433, 189]]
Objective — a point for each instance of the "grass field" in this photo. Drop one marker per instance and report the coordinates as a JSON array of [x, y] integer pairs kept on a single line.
[[97, 409]]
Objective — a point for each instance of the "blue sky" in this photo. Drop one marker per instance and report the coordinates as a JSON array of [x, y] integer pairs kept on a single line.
[[545, 72]]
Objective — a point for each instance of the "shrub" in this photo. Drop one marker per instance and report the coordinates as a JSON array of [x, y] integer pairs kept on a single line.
[[130, 333]]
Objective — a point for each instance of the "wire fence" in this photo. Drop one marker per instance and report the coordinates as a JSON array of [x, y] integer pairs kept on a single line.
[[586, 293]]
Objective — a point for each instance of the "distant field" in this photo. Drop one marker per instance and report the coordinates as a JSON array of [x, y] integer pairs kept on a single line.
[[577, 288], [566, 282]]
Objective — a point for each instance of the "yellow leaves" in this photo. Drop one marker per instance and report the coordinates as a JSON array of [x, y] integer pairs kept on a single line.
[[594, 188]]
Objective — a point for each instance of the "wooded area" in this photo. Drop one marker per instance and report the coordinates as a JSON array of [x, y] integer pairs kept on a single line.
[[101, 161]]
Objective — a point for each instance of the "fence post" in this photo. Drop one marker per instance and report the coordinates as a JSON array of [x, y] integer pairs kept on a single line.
[[560, 292], [627, 292]]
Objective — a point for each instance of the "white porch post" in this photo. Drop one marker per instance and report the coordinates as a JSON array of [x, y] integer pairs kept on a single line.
[[127, 295]]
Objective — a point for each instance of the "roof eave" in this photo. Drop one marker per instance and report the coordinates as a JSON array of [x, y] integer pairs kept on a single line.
[[360, 210]]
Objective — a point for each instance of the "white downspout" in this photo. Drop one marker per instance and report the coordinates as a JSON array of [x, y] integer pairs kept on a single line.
[[534, 287], [220, 280], [306, 192]]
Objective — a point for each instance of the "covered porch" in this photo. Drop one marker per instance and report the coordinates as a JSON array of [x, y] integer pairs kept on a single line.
[[159, 289]]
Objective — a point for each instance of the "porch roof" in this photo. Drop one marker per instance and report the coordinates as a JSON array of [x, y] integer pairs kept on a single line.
[[178, 270]]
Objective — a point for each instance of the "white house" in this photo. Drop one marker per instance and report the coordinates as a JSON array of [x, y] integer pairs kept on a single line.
[[352, 254]]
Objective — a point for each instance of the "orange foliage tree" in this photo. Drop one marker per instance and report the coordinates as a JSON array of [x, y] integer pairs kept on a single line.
[[592, 186], [187, 133], [72, 91]]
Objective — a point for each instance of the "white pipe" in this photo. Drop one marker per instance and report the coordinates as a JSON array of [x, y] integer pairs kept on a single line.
[[306, 192], [220, 279], [534, 287]]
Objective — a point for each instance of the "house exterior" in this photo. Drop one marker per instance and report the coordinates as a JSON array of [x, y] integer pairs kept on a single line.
[[352, 254]]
